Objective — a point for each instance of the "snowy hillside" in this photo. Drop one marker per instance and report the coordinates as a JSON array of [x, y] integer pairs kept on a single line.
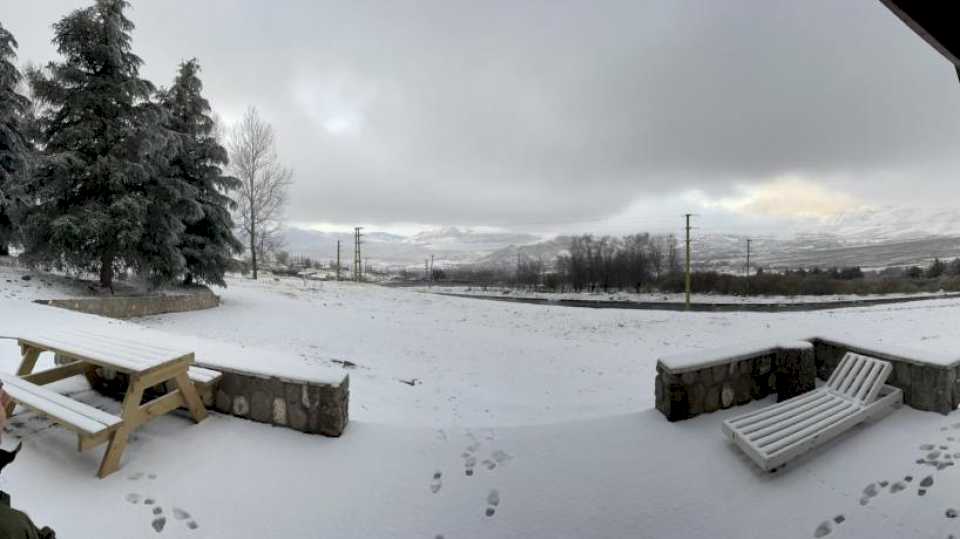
[[449, 245]]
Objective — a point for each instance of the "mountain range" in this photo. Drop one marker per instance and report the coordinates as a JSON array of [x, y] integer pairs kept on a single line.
[[868, 237]]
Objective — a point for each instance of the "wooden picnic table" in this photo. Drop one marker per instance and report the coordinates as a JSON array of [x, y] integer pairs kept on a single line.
[[147, 365]]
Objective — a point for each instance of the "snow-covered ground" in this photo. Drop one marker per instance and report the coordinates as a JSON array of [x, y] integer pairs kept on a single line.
[[548, 408], [659, 297]]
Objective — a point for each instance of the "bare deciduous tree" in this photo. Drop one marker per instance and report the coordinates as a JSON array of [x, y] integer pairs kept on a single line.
[[264, 182]]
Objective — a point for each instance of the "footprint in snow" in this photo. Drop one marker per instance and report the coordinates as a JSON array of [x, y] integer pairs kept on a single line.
[[437, 482], [493, 500], [897, 487], [469, 463], [925, 483], [869, 491], [132, 498], [501, 456], [825, 527], [158, 523]]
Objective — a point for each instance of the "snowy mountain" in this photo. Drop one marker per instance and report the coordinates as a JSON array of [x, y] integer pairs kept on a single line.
[[869, 237], [449, 245], [873, 225]]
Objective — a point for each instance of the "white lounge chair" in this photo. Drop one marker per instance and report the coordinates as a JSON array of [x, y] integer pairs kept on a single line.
[[854, 393]]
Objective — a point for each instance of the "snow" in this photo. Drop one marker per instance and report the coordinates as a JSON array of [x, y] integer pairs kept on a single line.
[[700, 359], [550, 407]]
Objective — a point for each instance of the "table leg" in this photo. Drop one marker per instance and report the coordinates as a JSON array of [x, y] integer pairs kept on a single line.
[[28, 360], [118, 440], [191, 397]]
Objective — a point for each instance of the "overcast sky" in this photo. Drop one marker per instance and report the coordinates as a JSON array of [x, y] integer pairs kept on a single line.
[[558, 116]]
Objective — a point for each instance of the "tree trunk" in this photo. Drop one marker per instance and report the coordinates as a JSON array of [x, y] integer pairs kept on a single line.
[[253, 242], [106, 271], [4, 249]]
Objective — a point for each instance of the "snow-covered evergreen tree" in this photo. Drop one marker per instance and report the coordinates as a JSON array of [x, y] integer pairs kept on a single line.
[[101, 142], [14, 146], [207, 242]]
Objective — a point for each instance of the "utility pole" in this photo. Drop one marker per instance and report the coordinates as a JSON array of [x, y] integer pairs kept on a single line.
[[357, 269], [426, 270], [748, 265], [687, 272], [431, 268], [366, 266], [338, 260]]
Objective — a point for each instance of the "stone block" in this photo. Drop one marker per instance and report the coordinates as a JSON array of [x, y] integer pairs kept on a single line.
[[727, 395], [719, 373], [223, 402], [279, 412], [763, 365], [261, 406], [743, 390], [695, 396], [711, 399]]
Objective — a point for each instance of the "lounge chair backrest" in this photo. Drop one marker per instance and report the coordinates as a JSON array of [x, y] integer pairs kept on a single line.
[[859, 377]]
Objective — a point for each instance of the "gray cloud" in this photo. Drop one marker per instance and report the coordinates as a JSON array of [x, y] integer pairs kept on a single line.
[[508, 113]]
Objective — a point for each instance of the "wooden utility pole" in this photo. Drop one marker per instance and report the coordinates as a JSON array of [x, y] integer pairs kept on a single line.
[[687, 271], [357, 261], [426, 270], [338, 260]]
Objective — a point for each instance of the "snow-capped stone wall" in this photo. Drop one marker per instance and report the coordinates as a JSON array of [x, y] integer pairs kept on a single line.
[[302, 405], [704, 381], [928, 383], [685, 388], [123, 307], [309, 406]]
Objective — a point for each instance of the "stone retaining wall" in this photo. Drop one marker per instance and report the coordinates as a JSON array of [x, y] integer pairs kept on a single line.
[[927, 385], [930, 382], [134, 306], [785, 370], [305, 406]]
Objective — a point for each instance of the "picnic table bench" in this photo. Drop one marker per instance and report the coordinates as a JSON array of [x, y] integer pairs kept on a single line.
[[147, 365]]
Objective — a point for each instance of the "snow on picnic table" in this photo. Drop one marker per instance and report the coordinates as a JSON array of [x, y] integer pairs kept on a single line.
[[548, 408]]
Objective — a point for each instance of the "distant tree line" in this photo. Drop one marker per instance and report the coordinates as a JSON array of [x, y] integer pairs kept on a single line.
[[102, 172], [642, 262]]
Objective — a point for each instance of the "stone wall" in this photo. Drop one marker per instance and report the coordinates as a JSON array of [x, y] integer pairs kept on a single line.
[[134, 306], [927, 384], [305, 406], [682, 393]]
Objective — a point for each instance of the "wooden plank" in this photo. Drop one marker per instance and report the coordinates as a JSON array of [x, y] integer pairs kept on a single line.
[[155, 408], [87, 441], [28, 359], [82, 416], [760, 435], [106, 358], [841, 371], [158, 375], [57, 373], [779, 412], [750, 418], [878, 384]]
